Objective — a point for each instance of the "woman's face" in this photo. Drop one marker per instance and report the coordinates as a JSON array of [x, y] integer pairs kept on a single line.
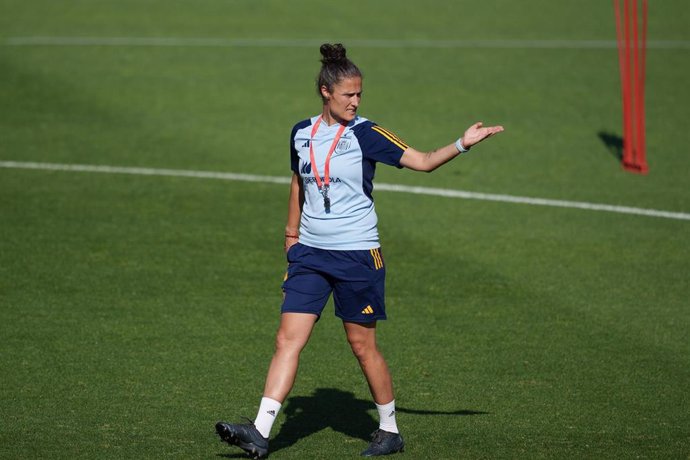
[[343, 101]]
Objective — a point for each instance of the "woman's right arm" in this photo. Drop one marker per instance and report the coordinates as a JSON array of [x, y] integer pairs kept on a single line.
[[295, 203]]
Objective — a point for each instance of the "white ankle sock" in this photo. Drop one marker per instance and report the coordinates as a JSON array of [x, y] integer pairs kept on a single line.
[[387, 417], [268, 411]]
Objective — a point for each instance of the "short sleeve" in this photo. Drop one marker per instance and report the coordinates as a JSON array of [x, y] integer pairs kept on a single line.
[[379, 144], [294, 156]]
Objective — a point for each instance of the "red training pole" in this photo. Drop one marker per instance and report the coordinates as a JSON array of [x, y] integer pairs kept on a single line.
[[623, 56], [641, 138], [632, 60], [635, 87]]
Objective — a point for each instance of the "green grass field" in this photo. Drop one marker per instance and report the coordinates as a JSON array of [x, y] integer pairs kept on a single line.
[[136, 311]]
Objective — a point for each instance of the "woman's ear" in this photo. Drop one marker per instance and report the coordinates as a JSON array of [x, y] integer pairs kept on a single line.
[[324, 93]]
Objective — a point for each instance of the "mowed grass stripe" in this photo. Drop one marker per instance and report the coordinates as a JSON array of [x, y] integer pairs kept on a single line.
[[448, 193]]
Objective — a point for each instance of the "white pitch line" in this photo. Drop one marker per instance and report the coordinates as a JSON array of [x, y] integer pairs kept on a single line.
[[310, 43], [533, 201], [144, 171], [448, 193]]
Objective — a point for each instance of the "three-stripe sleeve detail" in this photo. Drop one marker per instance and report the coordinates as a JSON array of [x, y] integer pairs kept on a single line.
[[390, 136]]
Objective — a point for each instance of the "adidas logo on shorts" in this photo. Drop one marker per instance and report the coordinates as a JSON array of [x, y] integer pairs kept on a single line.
[[368, 310]]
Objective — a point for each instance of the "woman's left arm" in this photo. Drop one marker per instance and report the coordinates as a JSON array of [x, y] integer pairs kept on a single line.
[[427, 162], [295, 203]]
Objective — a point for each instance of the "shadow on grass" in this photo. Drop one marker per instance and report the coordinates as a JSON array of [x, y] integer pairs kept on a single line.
[[335, 409], [613, 143]]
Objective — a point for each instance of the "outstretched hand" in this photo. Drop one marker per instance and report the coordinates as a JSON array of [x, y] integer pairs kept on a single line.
[[477, 133]]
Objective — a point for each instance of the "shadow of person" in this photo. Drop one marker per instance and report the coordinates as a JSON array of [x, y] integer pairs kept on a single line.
[[613, 143], [338, 410], [325, 408]]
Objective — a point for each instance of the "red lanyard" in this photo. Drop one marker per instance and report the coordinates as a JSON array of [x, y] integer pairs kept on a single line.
[[327, 168]]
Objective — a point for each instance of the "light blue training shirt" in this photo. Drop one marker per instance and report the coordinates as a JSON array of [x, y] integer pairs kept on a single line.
[[351, 223]]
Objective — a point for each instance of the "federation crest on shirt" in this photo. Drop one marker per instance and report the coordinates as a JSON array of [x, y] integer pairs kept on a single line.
[[343, 146]]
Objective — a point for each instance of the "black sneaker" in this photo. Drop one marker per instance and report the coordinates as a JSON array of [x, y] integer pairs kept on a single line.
[[245, 436], [384, 443]]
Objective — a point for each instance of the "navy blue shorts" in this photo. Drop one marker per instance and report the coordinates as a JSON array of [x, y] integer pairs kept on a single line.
[[356, 279]]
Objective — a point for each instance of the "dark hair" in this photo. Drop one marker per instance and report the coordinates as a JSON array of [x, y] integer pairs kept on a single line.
[[335, 66]]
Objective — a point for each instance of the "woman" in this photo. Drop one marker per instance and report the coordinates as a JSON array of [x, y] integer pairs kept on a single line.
[[332, 245]]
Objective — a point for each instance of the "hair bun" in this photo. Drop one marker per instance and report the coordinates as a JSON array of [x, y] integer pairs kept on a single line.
[[333, 54]]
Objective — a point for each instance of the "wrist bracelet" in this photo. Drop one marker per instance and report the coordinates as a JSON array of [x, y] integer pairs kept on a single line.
[[461, 148], [291, 236]]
